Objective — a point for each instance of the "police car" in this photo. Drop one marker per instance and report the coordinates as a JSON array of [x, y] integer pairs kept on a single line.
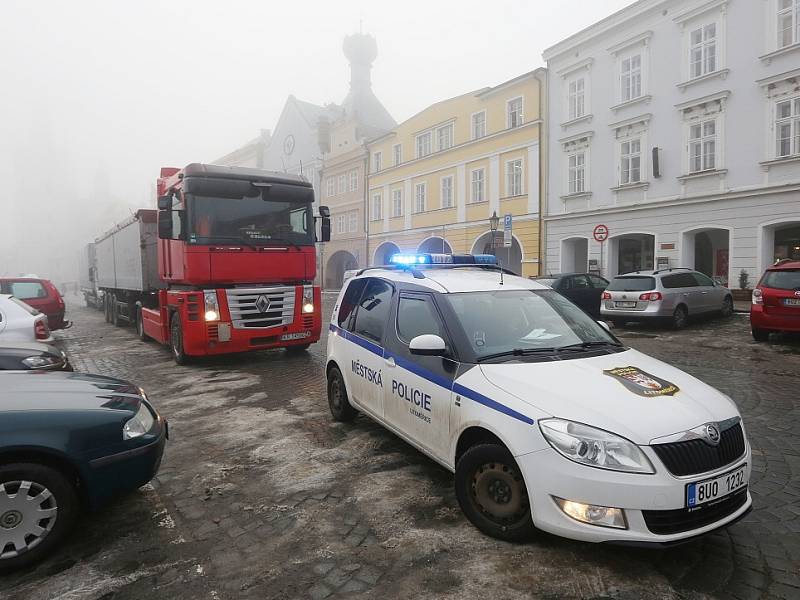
[[547, 420]]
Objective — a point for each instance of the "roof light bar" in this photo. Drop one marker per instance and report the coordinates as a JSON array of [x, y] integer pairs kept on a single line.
[[442, 259]]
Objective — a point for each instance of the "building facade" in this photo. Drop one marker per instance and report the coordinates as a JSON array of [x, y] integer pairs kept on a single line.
[[436, 179], [676, 124], [344, 163]]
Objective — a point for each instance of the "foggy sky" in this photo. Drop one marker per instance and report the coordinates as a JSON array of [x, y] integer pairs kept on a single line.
[[97, 95]]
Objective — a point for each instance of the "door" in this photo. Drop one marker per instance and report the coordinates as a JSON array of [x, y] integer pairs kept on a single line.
[[682, 289], [599, 286], [709, 296], [417, 389], [365, 374], [579, 290]]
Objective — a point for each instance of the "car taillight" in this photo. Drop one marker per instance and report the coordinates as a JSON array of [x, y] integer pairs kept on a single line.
[[40, 330], [651, 296], [606, 296], [758, 296]]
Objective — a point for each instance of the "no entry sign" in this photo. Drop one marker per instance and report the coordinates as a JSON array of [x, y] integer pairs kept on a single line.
[[600, 233]]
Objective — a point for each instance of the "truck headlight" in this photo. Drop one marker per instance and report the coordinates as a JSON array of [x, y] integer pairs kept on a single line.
[[308, 299], [211, 305], [139, 424], [594, 447]]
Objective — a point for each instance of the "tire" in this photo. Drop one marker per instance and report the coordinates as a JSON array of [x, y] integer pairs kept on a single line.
[[176, 342], [679, 317], [492, 494], [115, 312], [727, 307], [338, 402], [760, 335], [140, 325], [297, 349], [62, 504], [107, 307]]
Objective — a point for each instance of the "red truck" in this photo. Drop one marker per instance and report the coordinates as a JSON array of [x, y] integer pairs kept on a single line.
[[225, 265]]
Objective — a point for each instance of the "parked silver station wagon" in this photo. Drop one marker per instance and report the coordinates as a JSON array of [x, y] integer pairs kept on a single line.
[[668, 295]]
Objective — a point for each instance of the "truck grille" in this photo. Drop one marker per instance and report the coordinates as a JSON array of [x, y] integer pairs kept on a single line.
[[664, 522], [696, 456], [260, 308]]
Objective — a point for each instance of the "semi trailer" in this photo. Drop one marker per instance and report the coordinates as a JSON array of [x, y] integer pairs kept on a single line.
[[226, 264]]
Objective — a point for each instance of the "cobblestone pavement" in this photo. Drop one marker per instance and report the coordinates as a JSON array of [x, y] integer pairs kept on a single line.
[[262, 496]]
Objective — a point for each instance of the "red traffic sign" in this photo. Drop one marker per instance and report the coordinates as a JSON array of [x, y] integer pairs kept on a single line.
[[600, 233]]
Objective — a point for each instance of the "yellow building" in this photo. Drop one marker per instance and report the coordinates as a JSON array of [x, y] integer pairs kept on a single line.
[[437, 178]]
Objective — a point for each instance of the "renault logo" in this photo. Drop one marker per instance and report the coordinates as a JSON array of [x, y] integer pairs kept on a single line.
[[797, 293], [262, 304], [711, 433]]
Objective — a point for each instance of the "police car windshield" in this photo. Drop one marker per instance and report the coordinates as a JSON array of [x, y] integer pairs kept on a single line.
[[516, 323]]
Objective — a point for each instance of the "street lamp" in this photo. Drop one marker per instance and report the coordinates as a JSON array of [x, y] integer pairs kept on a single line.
[[494, 223]]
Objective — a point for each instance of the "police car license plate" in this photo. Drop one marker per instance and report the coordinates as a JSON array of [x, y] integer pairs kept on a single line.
[[792, 301], [295, 336], [711, 489], [625, 304]]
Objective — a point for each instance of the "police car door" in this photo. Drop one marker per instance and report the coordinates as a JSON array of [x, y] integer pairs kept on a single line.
[[417, 389], [366, 374]]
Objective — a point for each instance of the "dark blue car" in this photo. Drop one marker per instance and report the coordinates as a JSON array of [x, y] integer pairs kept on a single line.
[[68, 441]]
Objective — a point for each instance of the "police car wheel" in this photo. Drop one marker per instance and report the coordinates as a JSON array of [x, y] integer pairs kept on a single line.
[[492, 493], [340, 406]]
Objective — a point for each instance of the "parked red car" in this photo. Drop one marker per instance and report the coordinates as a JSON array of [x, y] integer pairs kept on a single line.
[[776, 301], [41, 294]]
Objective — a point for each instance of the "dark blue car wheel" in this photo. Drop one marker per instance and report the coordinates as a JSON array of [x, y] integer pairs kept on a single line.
[[38, 506]]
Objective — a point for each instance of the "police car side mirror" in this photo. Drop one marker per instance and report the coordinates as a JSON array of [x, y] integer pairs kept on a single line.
[[604, 325], [427, 345]]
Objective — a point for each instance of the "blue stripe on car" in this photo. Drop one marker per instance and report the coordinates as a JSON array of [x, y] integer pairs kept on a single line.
[[430, 376]]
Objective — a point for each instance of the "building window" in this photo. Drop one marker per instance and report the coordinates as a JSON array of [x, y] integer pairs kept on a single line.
[[397, 153], [444, 137], [352, 221], [330, 182], [514, 113], [703, 146], [341, 223], [354, 180], [478, 185], [397, 203], [420, 191], [576, 98], [447, 192], [479, 125], [787, 127], [576, 176], [630, 160], [788, 22], [631, 77], [377, 162], [377, 207], [423, 144], [514, 177], [703, 51], [342, 181]]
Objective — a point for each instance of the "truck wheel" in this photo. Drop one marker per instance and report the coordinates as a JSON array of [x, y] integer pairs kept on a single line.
[[38, 506], [492, 493], [107, 307], [340, 406], [176, 342], [140, 325], [115, 312]]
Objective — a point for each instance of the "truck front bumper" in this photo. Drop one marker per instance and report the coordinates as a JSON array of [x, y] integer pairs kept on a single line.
[[220, 337]]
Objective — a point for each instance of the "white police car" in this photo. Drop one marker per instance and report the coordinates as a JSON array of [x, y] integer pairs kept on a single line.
[[547, 420]]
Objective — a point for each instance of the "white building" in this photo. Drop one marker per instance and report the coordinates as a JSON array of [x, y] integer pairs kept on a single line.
[[676, 123]]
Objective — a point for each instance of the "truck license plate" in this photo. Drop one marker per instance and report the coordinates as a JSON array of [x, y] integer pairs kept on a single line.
[[792, 301], [295, 336], [625, 304], [711, 489]]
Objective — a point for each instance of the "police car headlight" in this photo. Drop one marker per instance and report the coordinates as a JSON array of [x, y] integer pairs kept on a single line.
[[594, 447]]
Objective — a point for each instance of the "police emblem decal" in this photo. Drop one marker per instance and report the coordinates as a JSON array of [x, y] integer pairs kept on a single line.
[[642, 383]]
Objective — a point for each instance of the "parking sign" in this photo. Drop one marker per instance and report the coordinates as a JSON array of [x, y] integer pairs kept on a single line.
[[507, 239]]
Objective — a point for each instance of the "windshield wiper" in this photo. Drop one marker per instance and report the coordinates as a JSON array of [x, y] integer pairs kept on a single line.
[[550, 349], [588, 345], [285, 241]]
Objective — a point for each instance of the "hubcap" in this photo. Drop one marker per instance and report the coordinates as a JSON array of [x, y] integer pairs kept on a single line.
[[499, 493], [28, 513], [336, 392]]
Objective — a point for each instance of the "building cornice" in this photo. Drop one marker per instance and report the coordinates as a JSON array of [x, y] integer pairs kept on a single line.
[[723, 95], [645, 118], [586, 63], [642, 38], [697, 11], [785, 76]]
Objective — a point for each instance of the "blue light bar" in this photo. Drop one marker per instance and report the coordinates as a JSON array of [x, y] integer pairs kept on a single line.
[[442, 259], [410, 259]]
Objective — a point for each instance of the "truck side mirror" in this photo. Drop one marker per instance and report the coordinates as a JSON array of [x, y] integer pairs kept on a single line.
[[324, 211], [164, 202], [325, 229], [164, 223]]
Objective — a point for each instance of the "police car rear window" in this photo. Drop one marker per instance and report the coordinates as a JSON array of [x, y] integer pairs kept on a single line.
[[631, 284], [351, 295], [373, 310]]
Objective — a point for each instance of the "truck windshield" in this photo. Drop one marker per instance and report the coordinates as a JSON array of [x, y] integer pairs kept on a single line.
[[249, 220]]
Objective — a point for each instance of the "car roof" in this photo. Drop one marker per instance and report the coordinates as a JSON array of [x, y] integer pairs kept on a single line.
[[785, 265], [453, 280]]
